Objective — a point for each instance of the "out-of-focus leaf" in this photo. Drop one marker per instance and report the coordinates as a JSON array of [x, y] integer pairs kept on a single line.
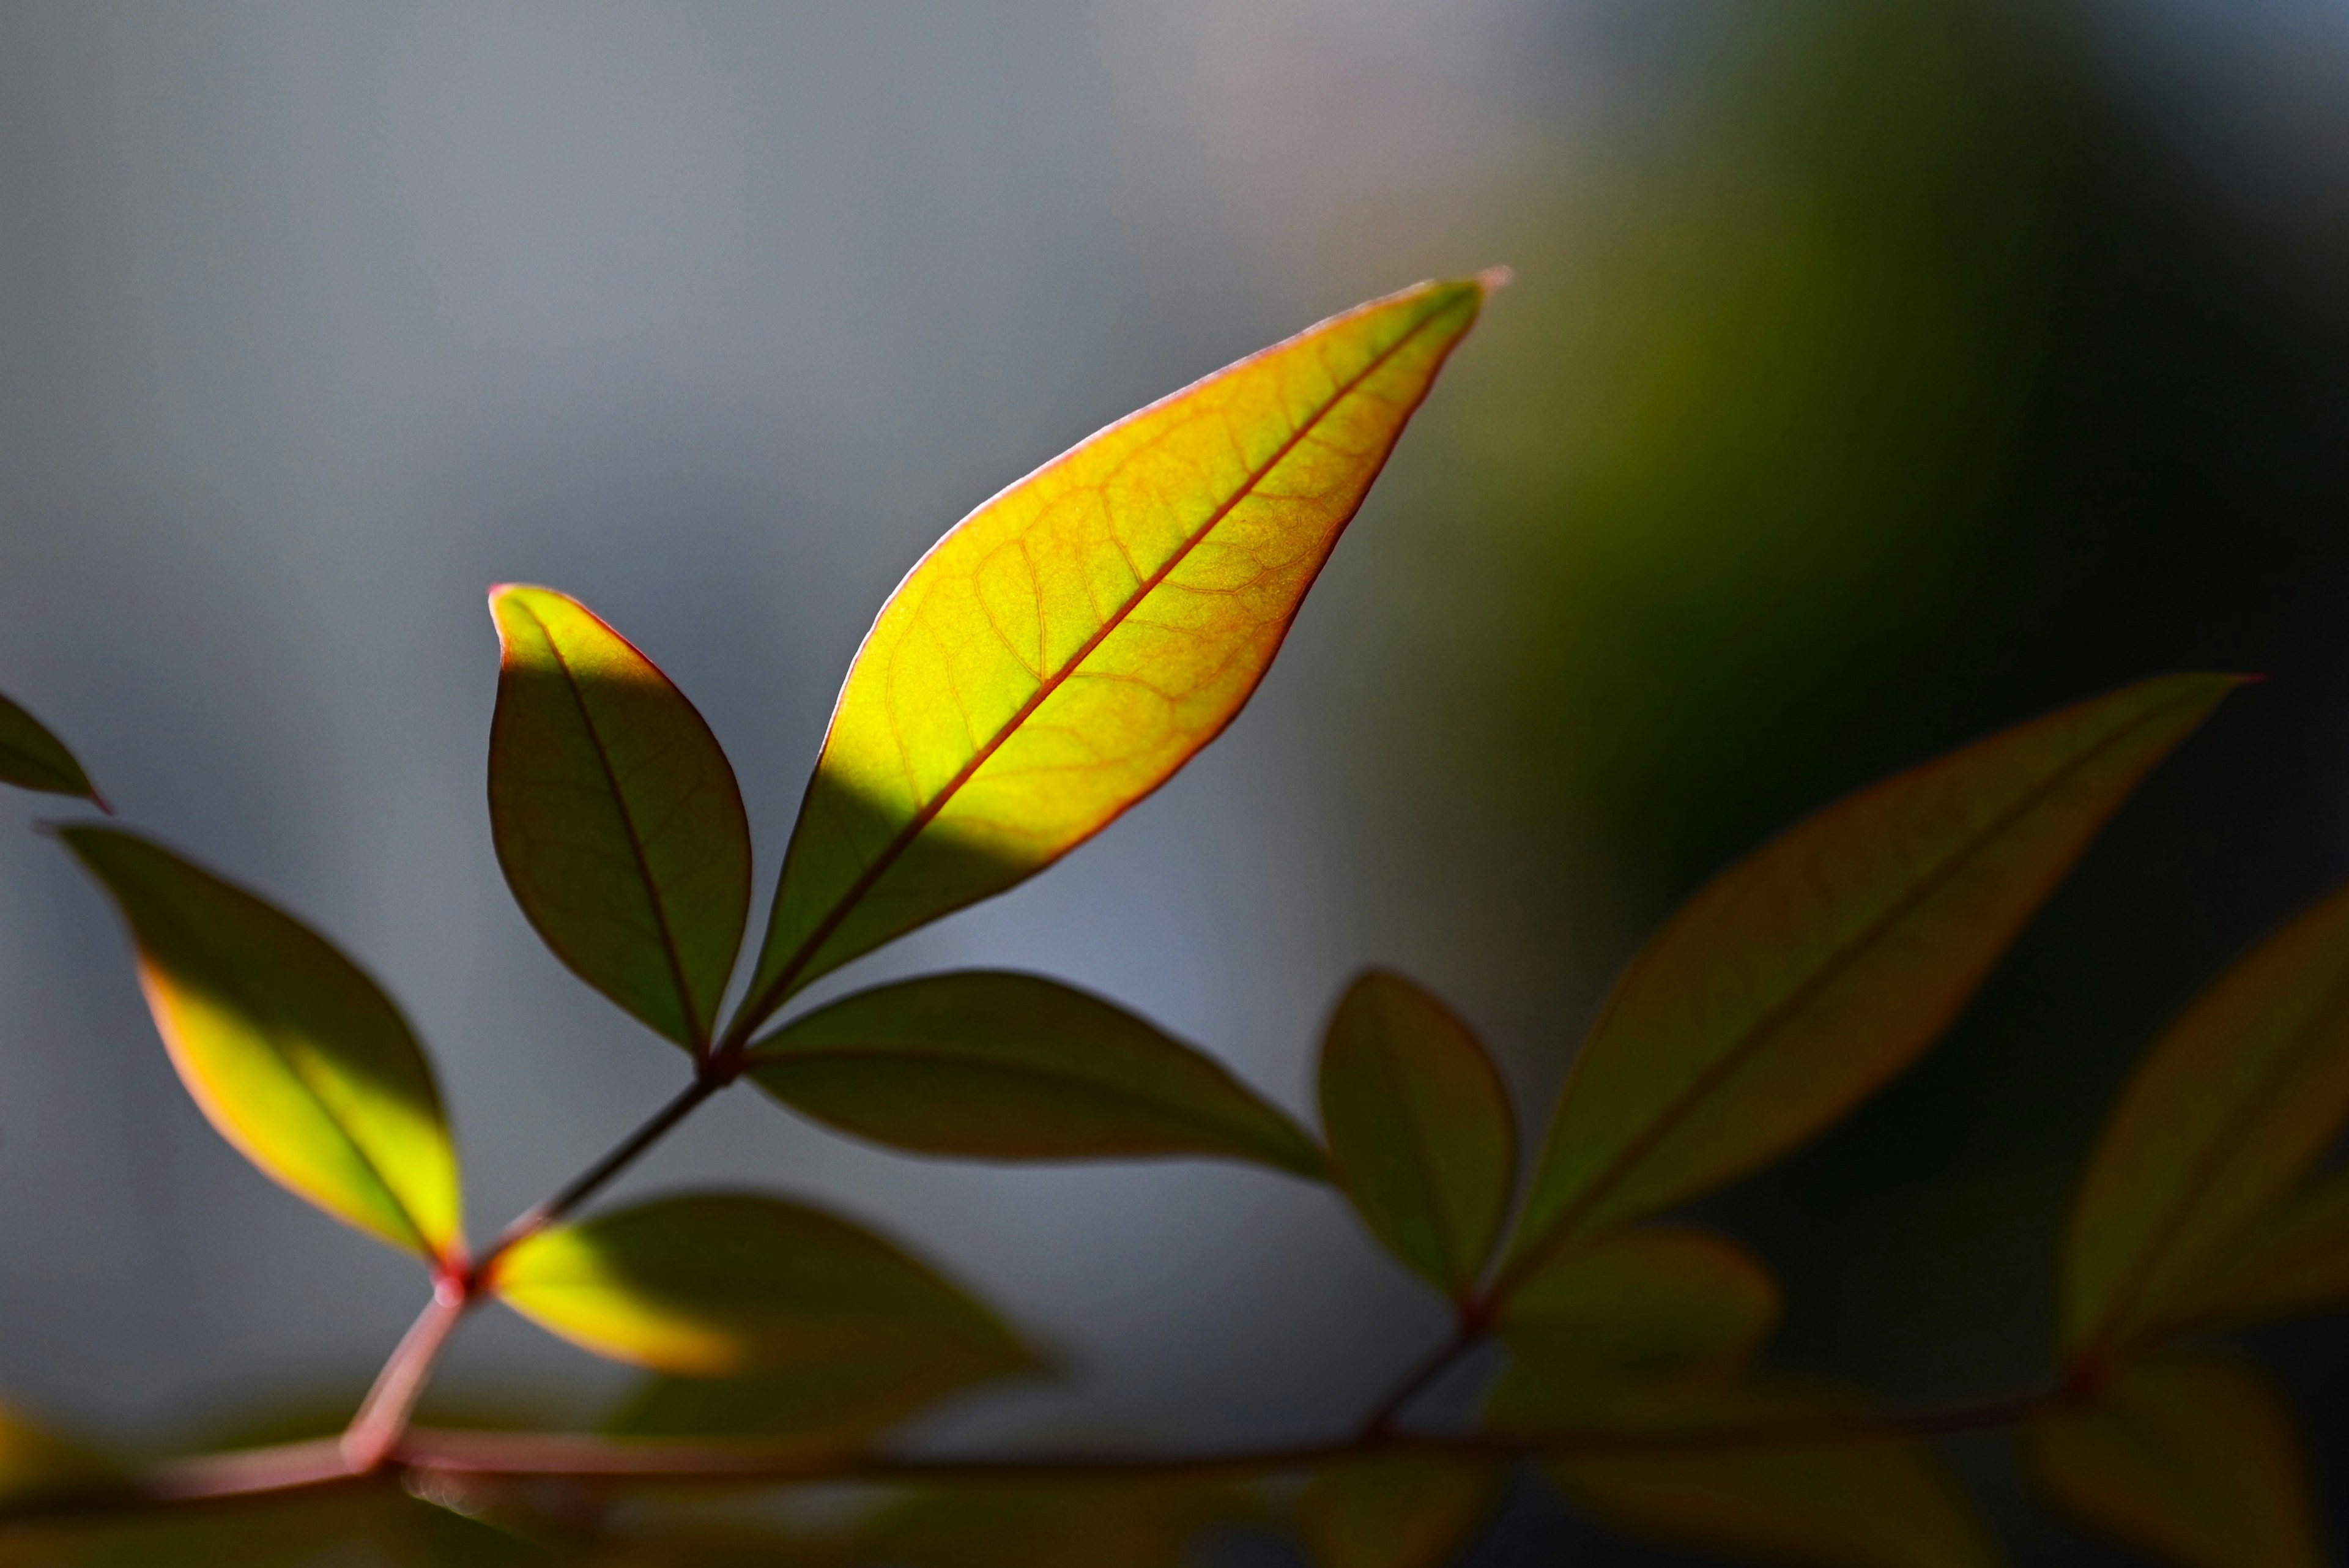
[[1396, 1511], [32, 758], [1803, 977], [297, 1057], [616, 816], [719, 1285], [1036, 1526], [847, 1399], [1014, 1066], [1067, 647], [2297, 1261], [377, 1529], [35, 1462], [1599, 1329], [1869, 1502], [2193, 1459], [1420, 1129], [732, 1545], [2226, 1113]]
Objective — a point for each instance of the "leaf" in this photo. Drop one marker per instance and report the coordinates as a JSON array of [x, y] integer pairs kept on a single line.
[[1067, 647], [1421, 1133], [616, 816], [1600, 1330], [2226, 1113], [993, 1065], [1799, 980], [376, 1527], [2192, 1459], [32, 758], [1089, 1525], [848, 1400], [719, 1285], [1397, 1512], [297, 1057], [35, 1463], [2297, 1261], [1848, 1503]]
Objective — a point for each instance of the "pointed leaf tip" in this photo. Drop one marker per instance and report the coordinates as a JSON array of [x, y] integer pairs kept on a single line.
[[617, 818], [32, 758], [1063, 649]]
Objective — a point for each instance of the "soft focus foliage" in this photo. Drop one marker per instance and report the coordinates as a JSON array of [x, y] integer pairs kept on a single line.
[[32, 758]]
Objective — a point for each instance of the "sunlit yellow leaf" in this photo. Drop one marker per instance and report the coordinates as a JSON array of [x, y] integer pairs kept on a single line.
[[1846, 1502], [2192, 1459], [1419, 1128], [616, 816], [1601, 1328], [1092, 1525], [1069, 645], [844, 1400], [994, 1065], [1397, 1512], [2232, 1108], [1806, 975], [299, 1058], [32, 758], [2295, 1262], [719, 1284]]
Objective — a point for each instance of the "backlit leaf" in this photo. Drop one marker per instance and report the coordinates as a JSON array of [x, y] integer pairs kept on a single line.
[[297, 1057], [995, 1065], [2229, 1113], [2296, 1262], [1089, 1525], [1601, 1329], [1397, 1512], [1069, 645], [1803, 977], [616, 816], [32, 758], [719, 1285], [2192, 1459], [846, 1400], [1421, 1134], [1844, 1502]]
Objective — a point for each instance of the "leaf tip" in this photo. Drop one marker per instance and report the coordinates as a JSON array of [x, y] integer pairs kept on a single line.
[[1496, 277]]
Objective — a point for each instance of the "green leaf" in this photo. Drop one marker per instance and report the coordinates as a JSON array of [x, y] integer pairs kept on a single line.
[[375, 1527], [1063, 649], [846, 1400], [1840, 1502], [993, 1065], [1803, 977], [32, 758], [2297, 1261], [1421, 1134], [616, 816], [35, 1463], [1397, 1510], [2192, 1459], [1092, 1525], [297, 1057], [2226, 1116], [1602, 1329], [719, 1285]]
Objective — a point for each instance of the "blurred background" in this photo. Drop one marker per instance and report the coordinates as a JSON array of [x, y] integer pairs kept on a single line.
[[1877, 372]]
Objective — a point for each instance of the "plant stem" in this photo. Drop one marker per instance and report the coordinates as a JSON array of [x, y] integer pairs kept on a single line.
[[1466, 1334], [382, 1418], [592, 1179]]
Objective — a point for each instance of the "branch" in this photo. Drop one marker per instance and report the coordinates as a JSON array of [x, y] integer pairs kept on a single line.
[[595, 1177]]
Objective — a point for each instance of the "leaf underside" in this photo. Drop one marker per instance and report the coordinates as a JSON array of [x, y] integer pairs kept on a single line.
[[1397, 1512], [32, 758], [295, 1055], [1067, 647]]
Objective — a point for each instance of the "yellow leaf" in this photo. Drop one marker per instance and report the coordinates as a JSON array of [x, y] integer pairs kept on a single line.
[[297, 1057], [616, 816], [1420, 1127], [1397, 1512], [720, 1284], [2192, 1459], [2232, 1108], [1799, 980], [1075, 640]]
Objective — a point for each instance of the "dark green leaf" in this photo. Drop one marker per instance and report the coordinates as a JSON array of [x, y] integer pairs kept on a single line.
[[35, 1462], [2192, 1459], [719, 1285], [1802, 978], [32, 758], [2297, 1261], [994, 1065], [1421, 1135], [847, 1399], [1397, 1512], [299, 1058], [1096, 1525], [2225, 1116], [616, 816]]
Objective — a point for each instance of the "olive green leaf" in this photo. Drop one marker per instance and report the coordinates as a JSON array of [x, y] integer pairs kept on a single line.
[[1421, 1134], [2225, 1116], [32, 758], [379, 1527], [1093, 1525], [719, 1284], [1803, 977], [995, 1065], [1603, 1330], [37, 1463], [299, 1059], [1840, 1502], [616, 816], [2193, 1459], [1397, 1510], [2296, 1262], [842, 1401]]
